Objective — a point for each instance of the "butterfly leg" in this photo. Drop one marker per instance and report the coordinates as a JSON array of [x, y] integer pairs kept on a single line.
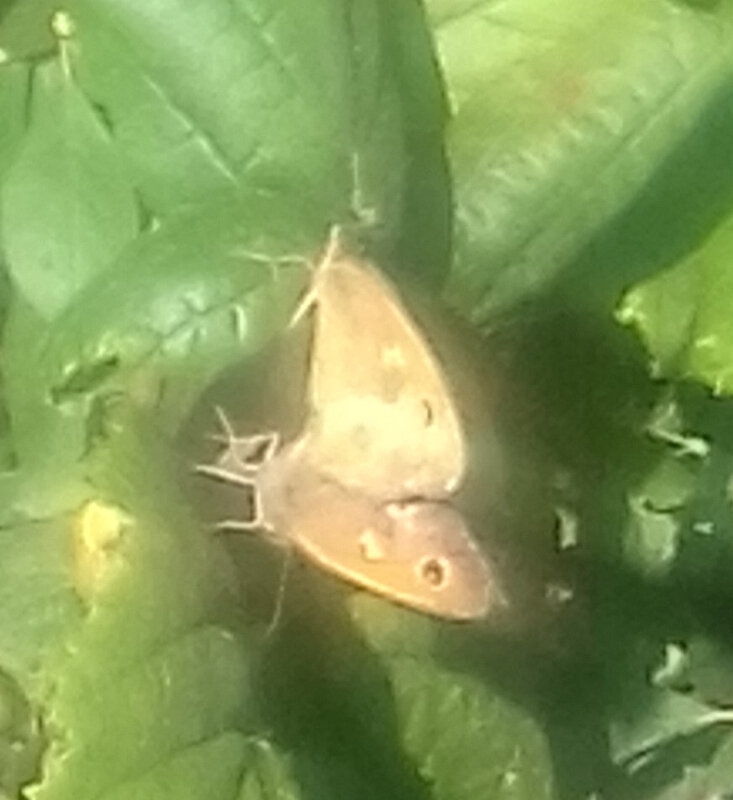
[[245, 526], [248, 453], [257, 522], [244, 452], [239, 474], [260, 447]]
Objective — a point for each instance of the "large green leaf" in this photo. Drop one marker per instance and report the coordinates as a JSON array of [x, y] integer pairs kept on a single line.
[[152, 679], [213, 97], [561, 112]]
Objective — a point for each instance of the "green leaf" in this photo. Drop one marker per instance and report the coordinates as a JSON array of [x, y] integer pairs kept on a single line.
[[25, 28], [424, 230], [14, 79], [201, 292], [150, 688], [561, 112], [652, 539], [20, 740], [717, 779], [704, 774], [68, 206], [465, 738], [214, 145], [661, 717], [207, 769], [268, 776], [683, 315], [47, 445], [13, 96], [654, 529], [36, 604], [211, 98], [709, 669], [181, 303]]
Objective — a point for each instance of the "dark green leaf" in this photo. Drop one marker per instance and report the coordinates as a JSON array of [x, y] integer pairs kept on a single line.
[[268, 776], [659, 718], [465, 738]]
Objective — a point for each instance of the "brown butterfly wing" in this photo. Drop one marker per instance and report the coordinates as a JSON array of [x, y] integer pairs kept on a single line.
[[382, 416], [416, 553]]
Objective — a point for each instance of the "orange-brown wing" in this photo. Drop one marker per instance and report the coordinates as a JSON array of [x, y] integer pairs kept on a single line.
[[417, 553], [382, 416]]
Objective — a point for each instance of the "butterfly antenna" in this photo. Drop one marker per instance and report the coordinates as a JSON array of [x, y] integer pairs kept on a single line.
[[226, 436], [303, 307], [224, 423], [333, 246]]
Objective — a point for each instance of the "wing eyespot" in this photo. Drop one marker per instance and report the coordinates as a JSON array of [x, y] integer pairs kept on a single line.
[[434, 571]]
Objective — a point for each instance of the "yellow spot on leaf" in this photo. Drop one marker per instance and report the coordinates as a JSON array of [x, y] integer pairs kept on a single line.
[[97, 533]]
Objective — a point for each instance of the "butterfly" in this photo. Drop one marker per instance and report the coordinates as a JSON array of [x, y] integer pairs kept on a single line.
[[382, 418], [364, 490]]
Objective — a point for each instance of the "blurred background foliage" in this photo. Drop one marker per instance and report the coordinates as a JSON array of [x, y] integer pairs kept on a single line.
[[550, 182]]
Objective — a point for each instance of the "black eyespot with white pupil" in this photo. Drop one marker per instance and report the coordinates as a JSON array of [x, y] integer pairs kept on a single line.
[[434, 571]]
